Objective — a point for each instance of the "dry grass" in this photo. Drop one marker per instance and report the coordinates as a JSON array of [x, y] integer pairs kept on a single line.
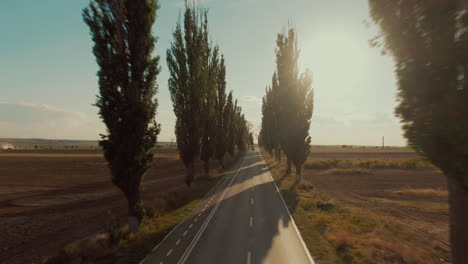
[[339, 234], [354, 149], [130, 248], [424, 193], [348, 171], [411, 164], [435, 207], [117, 245]]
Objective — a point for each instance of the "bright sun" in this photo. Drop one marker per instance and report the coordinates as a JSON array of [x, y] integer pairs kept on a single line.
[[336, 59]]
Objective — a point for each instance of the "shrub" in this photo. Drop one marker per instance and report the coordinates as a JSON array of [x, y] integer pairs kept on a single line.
[[306, 187], [342, 240], [113, 229]]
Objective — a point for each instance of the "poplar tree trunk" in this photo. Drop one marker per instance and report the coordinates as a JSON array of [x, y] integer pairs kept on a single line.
[[134, 217], [288, 170], [206, 167], [279, 155], [298, 173], [190, 172], [458, 201]]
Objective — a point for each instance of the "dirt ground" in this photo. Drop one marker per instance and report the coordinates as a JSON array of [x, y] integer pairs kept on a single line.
[[361, 153], [50, 198], [425, 217]]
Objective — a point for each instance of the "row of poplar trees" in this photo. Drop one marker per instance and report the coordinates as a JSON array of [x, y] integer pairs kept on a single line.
[[209, 123], [287, 107]]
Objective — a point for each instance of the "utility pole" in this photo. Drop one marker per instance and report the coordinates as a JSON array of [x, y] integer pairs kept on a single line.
[[383, 141]]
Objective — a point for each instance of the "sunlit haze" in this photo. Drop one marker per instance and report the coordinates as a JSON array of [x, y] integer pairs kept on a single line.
[[48, 77]]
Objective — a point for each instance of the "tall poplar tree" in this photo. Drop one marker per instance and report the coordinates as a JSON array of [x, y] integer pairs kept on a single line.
[[287, 55], [429, 44], [209, 113], [294, 102], [123, 46], [187, 61], [228, 121], [287, 106], [221, 122], [302, 113]]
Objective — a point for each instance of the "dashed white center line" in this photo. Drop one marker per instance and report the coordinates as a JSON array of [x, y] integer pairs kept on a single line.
[[203, 209], [248, 257], [199, 214], [177, 242], [168, 253], [161, 262], [251, 221], [190, 226], [195, 219], [251, 201], [184, 233]]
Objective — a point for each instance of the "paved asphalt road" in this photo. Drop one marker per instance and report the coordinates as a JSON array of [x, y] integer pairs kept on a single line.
[[241, 220]]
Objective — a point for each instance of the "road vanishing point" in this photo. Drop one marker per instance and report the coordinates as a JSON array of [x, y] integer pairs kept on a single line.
[[243, 219]]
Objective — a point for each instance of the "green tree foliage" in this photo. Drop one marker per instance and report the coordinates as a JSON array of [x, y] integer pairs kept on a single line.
[[187, 63], [287, 106], [208, 125], [429, 44], [270, 131], [123, 46], [228, 122], [221, 122], [209, 115], [302, 113]]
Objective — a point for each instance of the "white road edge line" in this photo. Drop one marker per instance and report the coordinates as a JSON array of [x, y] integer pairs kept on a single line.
[[208, 218], [290, 216], [143, 260], [217, 187], [248, 257]]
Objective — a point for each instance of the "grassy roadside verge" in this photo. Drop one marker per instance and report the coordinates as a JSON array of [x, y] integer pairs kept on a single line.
[[406, 164], [338, 233], [116, 245]]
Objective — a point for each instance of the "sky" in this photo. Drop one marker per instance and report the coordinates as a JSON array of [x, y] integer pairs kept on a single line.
[[48, 82]]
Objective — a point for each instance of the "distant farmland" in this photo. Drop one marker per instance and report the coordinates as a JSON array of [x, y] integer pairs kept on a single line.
[[38, 143]]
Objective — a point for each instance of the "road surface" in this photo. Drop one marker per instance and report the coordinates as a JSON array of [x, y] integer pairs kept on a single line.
[[243, 219]]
